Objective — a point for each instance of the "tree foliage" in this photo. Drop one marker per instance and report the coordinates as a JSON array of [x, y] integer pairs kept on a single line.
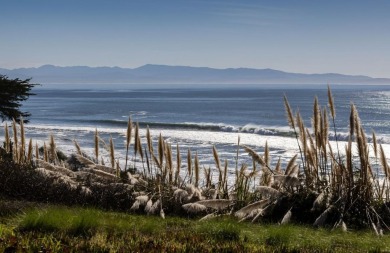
[[12, 93]]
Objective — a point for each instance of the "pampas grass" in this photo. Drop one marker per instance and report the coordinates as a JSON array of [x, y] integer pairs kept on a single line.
[[161, 152], [45, 153], [78, 149], [216, 158], [290, 117], [189, 164], [112, 153], [180, 195], [194, 208], [375, 144], [256, 157], [344, 182], [85, 161], [321, 220], [30, 151], [196, 167], [331, 103], [22, 141], [209, 216], [143, 199], [290, 166], [217, 204], [59, 169], [128, 139], [268, 192], [36, 151], [102, 168], [53, 152], [155, 207], [148, 206], [383, 160], [251, 207], [178, 164], [96, 141], [7, 138], [286, 218], [101, 174], [15, 148]]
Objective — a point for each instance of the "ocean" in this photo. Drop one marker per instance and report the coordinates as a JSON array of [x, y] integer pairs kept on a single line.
[[198, 119]]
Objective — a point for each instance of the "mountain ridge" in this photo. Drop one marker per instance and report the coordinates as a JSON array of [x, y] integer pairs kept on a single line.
[[167, 74]]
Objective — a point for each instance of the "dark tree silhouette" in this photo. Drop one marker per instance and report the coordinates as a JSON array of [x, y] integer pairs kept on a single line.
[[12, 93]]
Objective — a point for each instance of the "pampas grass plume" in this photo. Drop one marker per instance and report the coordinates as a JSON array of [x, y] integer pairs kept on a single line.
[[216, 158], [251, 207], [375, 144], [84, 161], [96, 139], [320, 221], [194, 208], [155, 207], [291, 165], [267, 192], [15, 134], [23, 140], [112, 153], [78, 149], [331, 103], [30, 151], [217, 204], [178, 163], [286, 218], [196, 161], [189, 164], [36, 151], [290, 117], [162, 214], [45, 153], [255, 156]]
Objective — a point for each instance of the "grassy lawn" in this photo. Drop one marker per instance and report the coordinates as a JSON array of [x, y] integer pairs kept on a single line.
[[64, 229]]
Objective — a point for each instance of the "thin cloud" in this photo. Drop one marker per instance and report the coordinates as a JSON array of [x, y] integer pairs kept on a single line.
[[250, 14]]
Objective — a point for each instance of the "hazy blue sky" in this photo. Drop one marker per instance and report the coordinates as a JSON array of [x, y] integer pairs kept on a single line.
[[309, 36]]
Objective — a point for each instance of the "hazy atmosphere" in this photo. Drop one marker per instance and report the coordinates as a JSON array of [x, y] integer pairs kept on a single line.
[[348, 37], [195, 126]]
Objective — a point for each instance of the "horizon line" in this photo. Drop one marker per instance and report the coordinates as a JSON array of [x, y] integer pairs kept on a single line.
[[188, 66]]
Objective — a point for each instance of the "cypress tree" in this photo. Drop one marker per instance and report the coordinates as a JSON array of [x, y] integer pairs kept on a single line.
[[12, 93]]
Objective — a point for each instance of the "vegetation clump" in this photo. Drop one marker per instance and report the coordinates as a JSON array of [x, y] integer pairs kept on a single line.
[[323, 185]]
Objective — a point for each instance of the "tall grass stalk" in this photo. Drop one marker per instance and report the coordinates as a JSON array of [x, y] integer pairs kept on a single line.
[[15, 148], [30, 151], [178, 164], [237, 153], [189, 165], [128, 139], [22, 141], [53, 150], [291, 122], [333, 114], [7, 138], [96, 141], [196, 167], [45, 153], [112, 153], [36, 151]]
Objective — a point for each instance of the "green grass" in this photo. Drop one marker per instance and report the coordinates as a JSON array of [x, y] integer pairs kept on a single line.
[[59, 229]]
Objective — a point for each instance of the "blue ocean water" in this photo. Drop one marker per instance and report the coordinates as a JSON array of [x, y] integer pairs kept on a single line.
[[200, 118]]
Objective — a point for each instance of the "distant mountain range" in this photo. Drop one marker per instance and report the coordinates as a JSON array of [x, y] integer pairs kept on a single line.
[[163, 74]]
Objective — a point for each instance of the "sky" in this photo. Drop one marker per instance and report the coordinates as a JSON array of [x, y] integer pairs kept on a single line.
[[303, 36]]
